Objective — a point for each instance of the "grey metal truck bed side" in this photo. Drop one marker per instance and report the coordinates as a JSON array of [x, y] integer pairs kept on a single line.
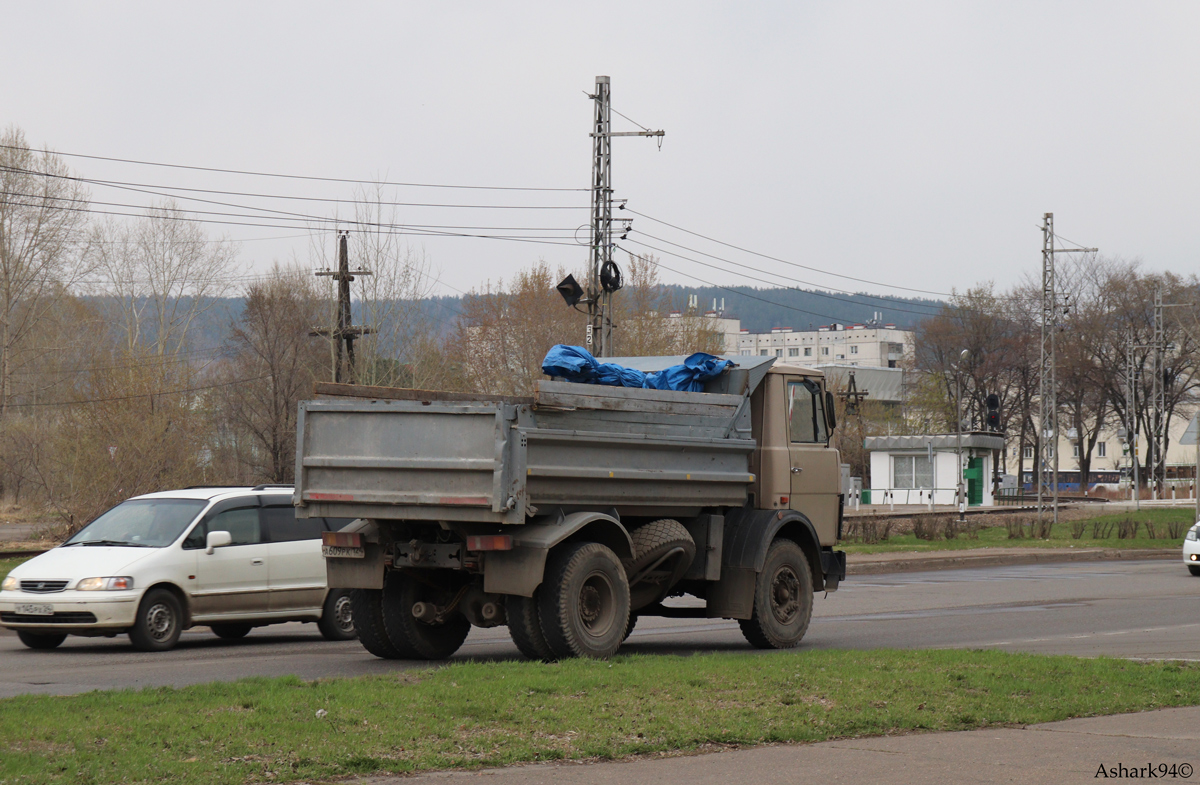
[[490, 461]]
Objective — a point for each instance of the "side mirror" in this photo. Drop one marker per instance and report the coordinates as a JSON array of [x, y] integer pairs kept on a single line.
[[217, 540], [830, 416]]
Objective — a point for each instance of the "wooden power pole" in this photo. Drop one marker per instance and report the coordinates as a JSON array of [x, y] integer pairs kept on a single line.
[[345, 331]]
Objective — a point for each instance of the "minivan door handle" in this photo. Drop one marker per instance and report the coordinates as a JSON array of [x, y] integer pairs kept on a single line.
[[256, 562]]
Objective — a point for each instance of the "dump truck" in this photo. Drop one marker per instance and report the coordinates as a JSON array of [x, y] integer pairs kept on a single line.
[[569, 514]]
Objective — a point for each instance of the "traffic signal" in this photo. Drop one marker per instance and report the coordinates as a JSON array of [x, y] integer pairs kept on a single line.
[[993, 412]]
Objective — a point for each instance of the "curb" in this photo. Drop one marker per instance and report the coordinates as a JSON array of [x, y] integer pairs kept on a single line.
[[958, 561], [19, 554]]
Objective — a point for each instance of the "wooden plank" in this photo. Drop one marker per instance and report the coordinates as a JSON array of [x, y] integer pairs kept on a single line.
[[604, 403], [335, 390], [632, 422], [551, 388]]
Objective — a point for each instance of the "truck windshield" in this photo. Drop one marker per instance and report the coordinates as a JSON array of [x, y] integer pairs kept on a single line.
[[146, 523]]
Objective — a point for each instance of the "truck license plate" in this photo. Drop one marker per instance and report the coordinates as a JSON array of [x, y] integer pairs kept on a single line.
[[342, 552], [35, 610]]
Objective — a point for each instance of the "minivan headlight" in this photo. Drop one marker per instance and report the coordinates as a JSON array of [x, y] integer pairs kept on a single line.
[[105, 584], [10, 583]]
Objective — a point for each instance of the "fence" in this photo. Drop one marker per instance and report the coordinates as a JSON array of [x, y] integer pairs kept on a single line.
[[894, 496]]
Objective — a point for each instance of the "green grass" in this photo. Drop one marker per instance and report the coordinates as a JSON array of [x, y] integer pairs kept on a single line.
[[6, 565], [489, 714], [1060, 537]]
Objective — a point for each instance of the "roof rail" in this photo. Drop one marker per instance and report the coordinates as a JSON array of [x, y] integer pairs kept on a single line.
[[197, 487], [267, 485]]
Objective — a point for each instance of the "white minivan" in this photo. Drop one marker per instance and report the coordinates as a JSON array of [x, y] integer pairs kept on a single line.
[[228, 558]]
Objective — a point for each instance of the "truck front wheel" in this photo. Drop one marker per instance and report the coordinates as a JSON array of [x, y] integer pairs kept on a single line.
[[783, 599], [584, 601]]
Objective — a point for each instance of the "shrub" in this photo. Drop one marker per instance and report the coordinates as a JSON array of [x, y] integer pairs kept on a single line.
[[926, 527]]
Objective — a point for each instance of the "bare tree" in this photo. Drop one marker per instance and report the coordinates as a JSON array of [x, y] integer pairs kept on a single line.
[[163, 274], [42, 218], [273, 364]]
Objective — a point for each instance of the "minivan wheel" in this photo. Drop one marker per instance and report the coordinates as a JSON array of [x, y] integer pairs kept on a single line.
[[231, 632], [159, 622], [337, 617], [41, 640]]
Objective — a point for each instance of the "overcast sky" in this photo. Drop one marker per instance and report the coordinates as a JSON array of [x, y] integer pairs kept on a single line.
[[911, 144]]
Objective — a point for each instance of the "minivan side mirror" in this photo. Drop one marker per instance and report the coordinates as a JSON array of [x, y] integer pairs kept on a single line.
[[217, 540]]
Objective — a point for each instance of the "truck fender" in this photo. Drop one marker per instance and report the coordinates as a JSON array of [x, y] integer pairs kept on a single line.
[[749, 534], [364, 573], [520, 570]]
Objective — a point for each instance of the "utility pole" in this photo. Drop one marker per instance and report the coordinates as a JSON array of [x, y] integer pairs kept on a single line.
[[345, 331], [603, 278], [1158, 469], [1048, 394], [1131, 426]]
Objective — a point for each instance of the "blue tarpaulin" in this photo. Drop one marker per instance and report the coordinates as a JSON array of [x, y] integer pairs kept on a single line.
[[576, 364]]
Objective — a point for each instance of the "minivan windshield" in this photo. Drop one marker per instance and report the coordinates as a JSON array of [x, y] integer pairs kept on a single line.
[[145, 523]]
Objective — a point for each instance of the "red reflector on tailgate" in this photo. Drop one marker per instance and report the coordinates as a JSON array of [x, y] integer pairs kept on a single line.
[[489, 542], [342, 539]]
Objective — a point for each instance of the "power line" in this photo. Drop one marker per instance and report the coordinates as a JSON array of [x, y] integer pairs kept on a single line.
[[378, 226], [785, 261], [140, 395], [826, 293], [296, 176], [773, 283], [735, 291]]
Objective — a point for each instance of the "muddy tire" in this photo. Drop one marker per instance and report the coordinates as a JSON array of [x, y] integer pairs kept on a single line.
[[231, 632], [337, 616], [525, 627], [366, 606], [415, 639], [629, 627], [584, 601], [650, 543], [158, 623], [783, 599], [41, 640]]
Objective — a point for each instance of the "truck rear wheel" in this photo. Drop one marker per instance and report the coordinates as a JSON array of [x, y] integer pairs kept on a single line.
[[783, 599], [584, 601], [525, 627], [416, 639], [366, 608]]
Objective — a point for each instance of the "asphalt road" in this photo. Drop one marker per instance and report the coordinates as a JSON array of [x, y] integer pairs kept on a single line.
[[1123, 609]]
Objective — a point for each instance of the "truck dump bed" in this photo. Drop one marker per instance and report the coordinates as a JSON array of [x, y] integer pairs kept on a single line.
[[419, 455]]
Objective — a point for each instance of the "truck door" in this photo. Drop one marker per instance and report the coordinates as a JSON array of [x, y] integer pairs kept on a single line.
[[816, 473]]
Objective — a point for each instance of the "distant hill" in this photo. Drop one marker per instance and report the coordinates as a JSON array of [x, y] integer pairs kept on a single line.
[[758, 309], [762, 309]]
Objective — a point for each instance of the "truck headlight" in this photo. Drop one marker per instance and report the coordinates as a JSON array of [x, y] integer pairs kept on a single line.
[[10, 583], [105, 584]]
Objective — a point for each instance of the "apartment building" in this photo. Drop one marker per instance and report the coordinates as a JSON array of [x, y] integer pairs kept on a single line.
[[868, 344]]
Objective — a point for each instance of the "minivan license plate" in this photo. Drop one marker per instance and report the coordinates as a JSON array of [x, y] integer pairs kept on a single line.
[[342, 552], [35, 610]]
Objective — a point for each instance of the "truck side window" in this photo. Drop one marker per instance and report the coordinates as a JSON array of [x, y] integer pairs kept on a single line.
[[806, 412]]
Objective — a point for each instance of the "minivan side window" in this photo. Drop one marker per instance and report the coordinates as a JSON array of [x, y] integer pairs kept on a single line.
[[283, 526], [242, 525]]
